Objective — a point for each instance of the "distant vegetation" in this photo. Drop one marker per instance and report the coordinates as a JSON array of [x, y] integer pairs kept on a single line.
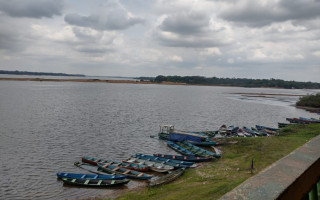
[[37, 73], [242, 82], [310, 101]]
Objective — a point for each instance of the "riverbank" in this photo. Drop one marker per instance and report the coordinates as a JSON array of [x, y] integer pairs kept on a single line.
[[213, 179]]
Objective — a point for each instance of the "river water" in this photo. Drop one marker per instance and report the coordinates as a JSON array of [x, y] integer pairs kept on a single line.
[[46, 126]]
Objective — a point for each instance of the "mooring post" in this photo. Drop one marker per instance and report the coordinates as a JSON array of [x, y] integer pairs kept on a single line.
[[252, 166]]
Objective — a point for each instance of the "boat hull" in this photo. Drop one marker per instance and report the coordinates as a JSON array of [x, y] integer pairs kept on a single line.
[[94, 182]]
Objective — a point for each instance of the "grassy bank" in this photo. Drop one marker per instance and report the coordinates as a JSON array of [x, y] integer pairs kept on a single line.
[[213, 179]]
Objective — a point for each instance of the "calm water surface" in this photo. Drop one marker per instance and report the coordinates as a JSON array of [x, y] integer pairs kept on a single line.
[[45, 127]]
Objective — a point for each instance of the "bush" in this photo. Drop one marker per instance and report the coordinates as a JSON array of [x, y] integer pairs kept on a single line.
[[310, 101]]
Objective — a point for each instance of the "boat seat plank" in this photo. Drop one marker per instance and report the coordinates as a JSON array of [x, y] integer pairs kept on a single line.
[[107, 164], [115, 169]]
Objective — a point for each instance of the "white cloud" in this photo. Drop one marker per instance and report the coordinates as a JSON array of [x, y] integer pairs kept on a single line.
[[111, 16], [176, 58], [316, 53], [211, 52]]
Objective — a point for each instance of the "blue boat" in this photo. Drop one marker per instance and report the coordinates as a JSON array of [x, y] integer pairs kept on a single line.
[[261, 131], [133, 166], [197, 150], [205, 144], [253, 133], [180, 137], [179, 149], [309, 119], [90, 176], [165, 160], [94, 182], [265, 127], [184, 158], [123, 171]]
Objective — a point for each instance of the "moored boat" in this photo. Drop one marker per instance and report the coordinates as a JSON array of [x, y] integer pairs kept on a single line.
[[123, 171], [179, 149], [165, 160], [197, 150], [268, 128], [310, 119], [184, 158], [282, 125], [174, 164], [90, 176], [210, 134], [252, 132], [91, 168], [165, 136], [154, 166], [241, 133], [132, 166], [205, 143], [94, 182], [261, 132], [167, 178]]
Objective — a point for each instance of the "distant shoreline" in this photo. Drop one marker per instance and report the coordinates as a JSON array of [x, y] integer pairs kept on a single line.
[[16, 72], [89, 80], [139, 82]]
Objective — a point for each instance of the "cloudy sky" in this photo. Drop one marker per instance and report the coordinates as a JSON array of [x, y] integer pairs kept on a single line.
[[234, 38]]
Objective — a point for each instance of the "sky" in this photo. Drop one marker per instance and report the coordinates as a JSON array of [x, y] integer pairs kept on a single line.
[[213, 38]]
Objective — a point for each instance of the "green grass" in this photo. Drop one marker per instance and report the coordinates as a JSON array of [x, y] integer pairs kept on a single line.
[[213, 179]]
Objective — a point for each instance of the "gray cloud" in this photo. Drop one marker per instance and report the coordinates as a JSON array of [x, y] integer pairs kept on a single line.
[[190, 29], [257, 13], [186, 23], [112, 16], [93, 50], [92, 42], [14, 35], [31, 8]]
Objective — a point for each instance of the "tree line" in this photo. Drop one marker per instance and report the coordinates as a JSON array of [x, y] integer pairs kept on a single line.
[[241, 82], [16, 72]]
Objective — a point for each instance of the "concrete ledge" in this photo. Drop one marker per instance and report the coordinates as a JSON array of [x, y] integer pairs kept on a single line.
[[291, 177]]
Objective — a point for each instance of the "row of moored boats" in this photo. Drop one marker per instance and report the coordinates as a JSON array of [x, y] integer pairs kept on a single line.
[[192, 147]]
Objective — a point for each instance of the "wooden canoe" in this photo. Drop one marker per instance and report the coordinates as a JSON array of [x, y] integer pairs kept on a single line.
[[165, 136], [165, 160], [132, 166], [197, 150], [94, 182], [154, 166], [175, 165], [90, 176], [123, 171], [91, 168], [179, 149], [167, 178], [268, 128], [184, 158]]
